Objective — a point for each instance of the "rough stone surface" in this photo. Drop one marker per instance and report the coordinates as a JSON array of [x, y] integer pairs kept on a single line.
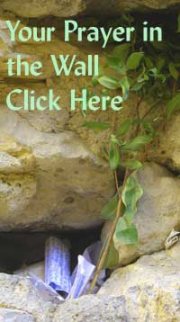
[[48, 176], [168, 145], [18, 293], [158, 213], [146, 291], [65, 187], [51, 175], [151, 287], [36, 269], [7, 315], [91, 308], [67, 8]]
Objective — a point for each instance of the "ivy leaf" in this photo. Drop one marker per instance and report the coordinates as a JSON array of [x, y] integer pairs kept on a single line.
[[108, 82], [114, 156], [124, 127], [133, 164], [109, 210], [97, 126], [134, 60], [137, 143], [173, 71], [128, 236], [173, 104]]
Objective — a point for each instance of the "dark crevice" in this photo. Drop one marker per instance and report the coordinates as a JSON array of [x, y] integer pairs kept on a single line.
[[19, 249]]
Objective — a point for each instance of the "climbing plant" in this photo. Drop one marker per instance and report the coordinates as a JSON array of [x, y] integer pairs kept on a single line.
[[151, 73]]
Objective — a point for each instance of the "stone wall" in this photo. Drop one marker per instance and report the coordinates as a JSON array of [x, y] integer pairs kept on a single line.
[[51, 169], [53, 177], [68, 8]]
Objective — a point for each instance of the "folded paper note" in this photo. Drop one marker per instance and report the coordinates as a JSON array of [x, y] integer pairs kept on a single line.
[[57, 266], [82, 276]]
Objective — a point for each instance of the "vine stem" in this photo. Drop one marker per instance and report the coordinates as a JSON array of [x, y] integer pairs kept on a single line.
[[107, 246]]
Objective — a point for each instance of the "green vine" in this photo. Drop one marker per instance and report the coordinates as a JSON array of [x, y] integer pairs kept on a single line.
[[151, 73]]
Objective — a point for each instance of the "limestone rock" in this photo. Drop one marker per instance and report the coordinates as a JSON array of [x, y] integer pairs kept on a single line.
[[32, 302], [49, 177], [91, 308], [68, 8], [62, 8], [168, 145], [36, 269], [158, 213], [50, 180], [19, 296], [146, 291], [150, 286], [56, 121], [7, 315]]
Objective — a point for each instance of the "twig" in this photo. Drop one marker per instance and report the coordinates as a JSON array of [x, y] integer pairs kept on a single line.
[[151, 109], [106, 248], [107, 245], [138, 113], [116, 182]]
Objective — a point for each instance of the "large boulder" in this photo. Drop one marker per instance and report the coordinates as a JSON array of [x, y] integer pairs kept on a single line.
[[21, 298], [158, 213], [49, 178], [150, 287], [67, 8], [24, 299]]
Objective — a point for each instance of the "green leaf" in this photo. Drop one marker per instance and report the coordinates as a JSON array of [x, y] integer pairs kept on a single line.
[[178, 28], [112, 258], [134, 60], [173, 104], [97, 126], [109, 210], [94, 81], [114, 156], [130, 196], [153, 72], [124, 84], [114, 139], [108, 82], [124, 127], [132, 192], [123, 224], [133, 164], [113, 62], [121, 52], [149, 128], [137, 87], [148, 61], [160, 62], [137, 143], [128, 236], [173, 71]]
